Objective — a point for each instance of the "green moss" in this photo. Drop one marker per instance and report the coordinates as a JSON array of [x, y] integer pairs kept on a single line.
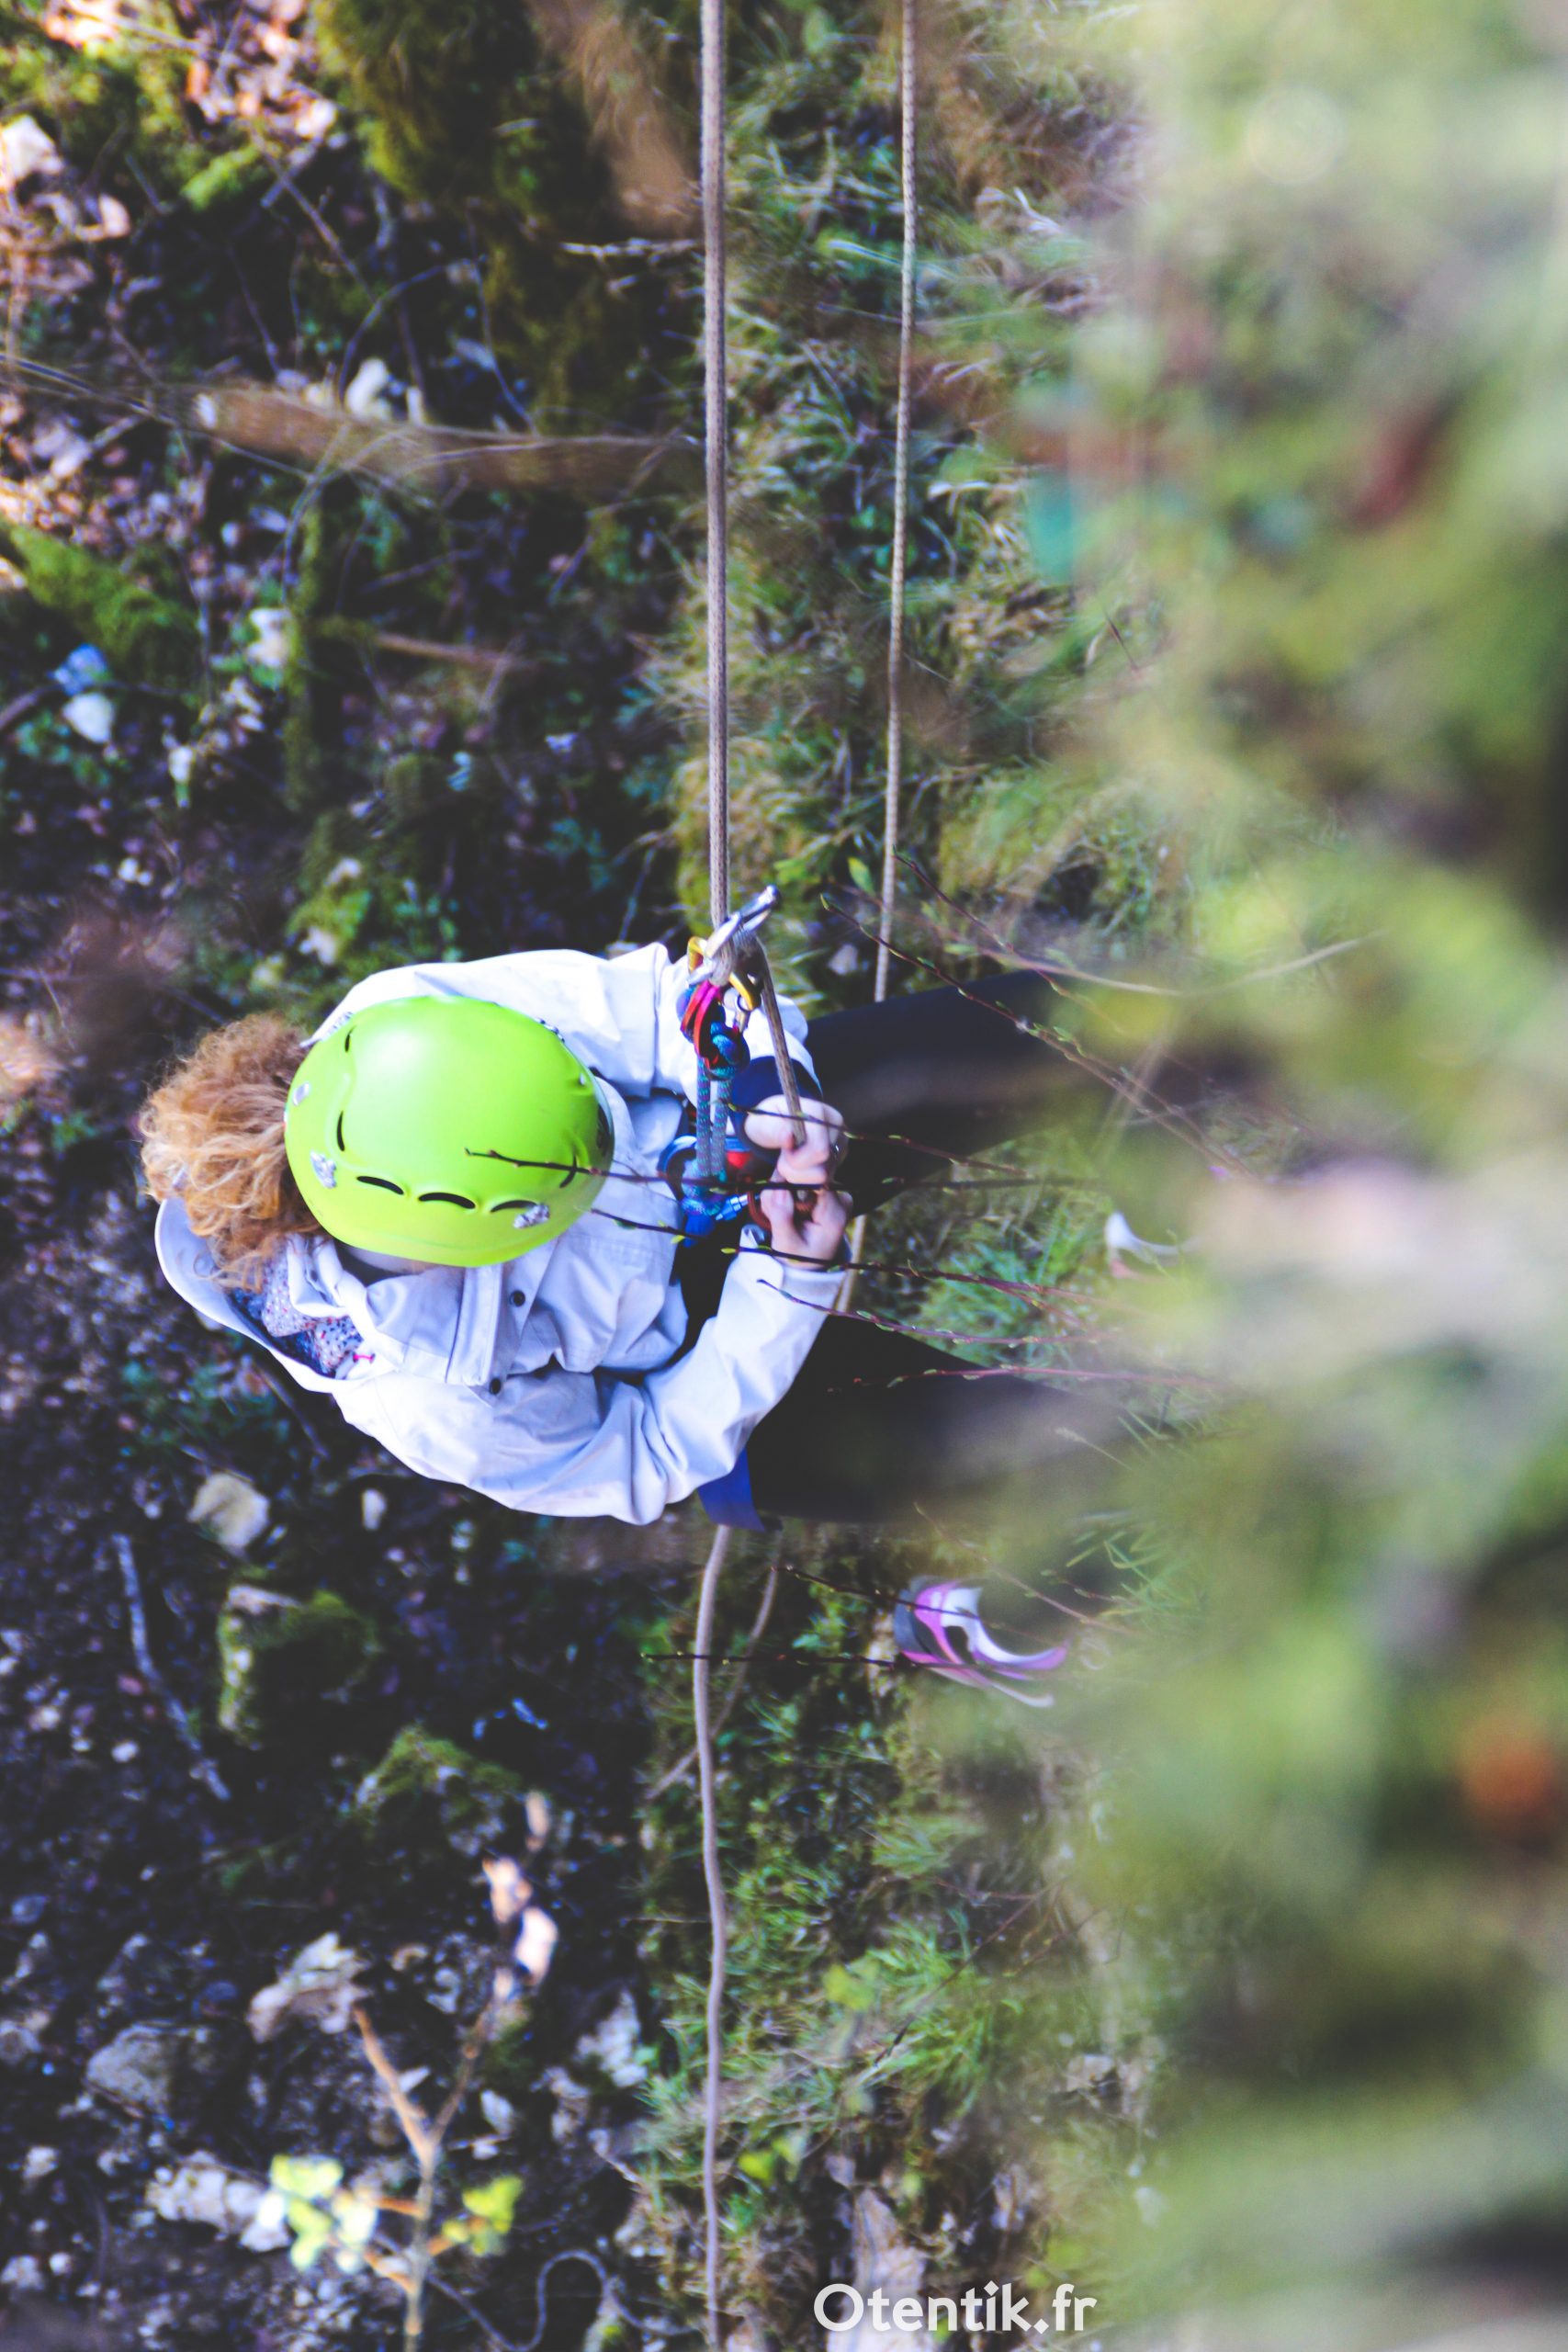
[[273, 1656], [433, 85], [145, 638], [236, 174], [466, 111], [104, 110], [428, 1793]]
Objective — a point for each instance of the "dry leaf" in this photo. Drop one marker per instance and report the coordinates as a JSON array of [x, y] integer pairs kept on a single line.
[[319, 1984], [25, 1060], [509, 1890], [25, 151], [535, 1944]]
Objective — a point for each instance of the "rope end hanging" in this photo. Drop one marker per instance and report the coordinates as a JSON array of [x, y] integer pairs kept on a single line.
[[718, 1919]]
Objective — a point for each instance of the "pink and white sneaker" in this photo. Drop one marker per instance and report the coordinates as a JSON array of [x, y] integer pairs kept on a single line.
[[940, 1625]]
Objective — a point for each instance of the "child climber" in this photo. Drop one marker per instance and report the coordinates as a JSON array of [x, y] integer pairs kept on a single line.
[[446, 1211]]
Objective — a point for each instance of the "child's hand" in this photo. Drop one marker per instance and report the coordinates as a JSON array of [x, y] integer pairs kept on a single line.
[[768, 1126], [813, 1233]]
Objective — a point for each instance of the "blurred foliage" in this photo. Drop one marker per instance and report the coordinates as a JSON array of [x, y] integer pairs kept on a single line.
[[1312, 436]]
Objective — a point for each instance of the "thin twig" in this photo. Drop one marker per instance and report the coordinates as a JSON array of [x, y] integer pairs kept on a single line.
[[201, 1767], [416, 2125]]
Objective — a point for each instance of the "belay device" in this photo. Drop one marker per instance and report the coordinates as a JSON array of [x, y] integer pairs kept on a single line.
[[714, 1168]]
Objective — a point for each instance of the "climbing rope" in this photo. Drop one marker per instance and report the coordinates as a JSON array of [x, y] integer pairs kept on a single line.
[[893, 786], [716, 425], [715, 420], [718, 1924], [712, 1107]]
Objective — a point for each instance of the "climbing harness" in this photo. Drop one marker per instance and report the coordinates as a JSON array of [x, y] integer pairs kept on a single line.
[[715, 1169]]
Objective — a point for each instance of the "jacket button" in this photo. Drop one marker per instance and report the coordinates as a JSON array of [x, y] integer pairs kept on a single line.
[[495, 1388], [517, 1298]]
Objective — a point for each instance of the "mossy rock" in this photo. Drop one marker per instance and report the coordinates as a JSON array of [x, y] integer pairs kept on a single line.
[[145, 638], [275, 1652], [428, 1793], [470, 112]]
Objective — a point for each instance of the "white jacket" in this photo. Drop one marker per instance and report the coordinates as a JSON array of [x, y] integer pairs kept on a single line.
[[548, 1383]]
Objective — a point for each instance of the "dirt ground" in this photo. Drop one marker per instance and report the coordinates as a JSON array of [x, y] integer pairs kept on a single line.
[[138, 1903]]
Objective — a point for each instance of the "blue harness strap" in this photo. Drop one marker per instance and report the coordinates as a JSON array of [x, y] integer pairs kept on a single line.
[[728, 1500], [708, 1199]]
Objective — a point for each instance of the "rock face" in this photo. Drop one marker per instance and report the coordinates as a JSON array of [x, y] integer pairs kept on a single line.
[[882, 2262]]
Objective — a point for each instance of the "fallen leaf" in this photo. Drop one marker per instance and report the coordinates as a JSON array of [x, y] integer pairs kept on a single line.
[[535, 1944], [25, 151], [319, 1985], [509, 1890]]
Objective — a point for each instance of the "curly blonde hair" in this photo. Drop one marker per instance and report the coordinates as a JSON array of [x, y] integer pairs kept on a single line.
[[213, 1133]]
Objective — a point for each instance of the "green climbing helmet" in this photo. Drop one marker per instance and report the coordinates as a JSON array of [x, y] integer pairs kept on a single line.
[[445, 1129]]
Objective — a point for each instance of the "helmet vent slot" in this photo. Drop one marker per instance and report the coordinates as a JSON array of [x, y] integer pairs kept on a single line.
[[496, 1206], [451, 1200], [382, 1183], [571, 1175], [341, 1145]]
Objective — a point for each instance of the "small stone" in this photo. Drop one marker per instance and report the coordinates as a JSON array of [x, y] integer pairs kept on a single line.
[[140, 2068], [91, 717], [363, 397], [273, 629], [38, 2164], [28, 1909], [203, 2189], [372, 1508], [230, 1507], [614, 2047], [21, 2037]]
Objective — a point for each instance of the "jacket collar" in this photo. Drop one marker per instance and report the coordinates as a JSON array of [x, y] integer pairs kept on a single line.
[[458, 1325]]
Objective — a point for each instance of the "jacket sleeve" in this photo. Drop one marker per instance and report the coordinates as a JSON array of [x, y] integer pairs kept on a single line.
[[618, 1014], [586, 1444]]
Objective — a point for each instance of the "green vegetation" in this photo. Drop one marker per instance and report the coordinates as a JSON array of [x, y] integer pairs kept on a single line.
[[141, 636]]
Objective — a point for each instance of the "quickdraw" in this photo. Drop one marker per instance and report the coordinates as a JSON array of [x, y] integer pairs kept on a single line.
[[714, 1168]]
